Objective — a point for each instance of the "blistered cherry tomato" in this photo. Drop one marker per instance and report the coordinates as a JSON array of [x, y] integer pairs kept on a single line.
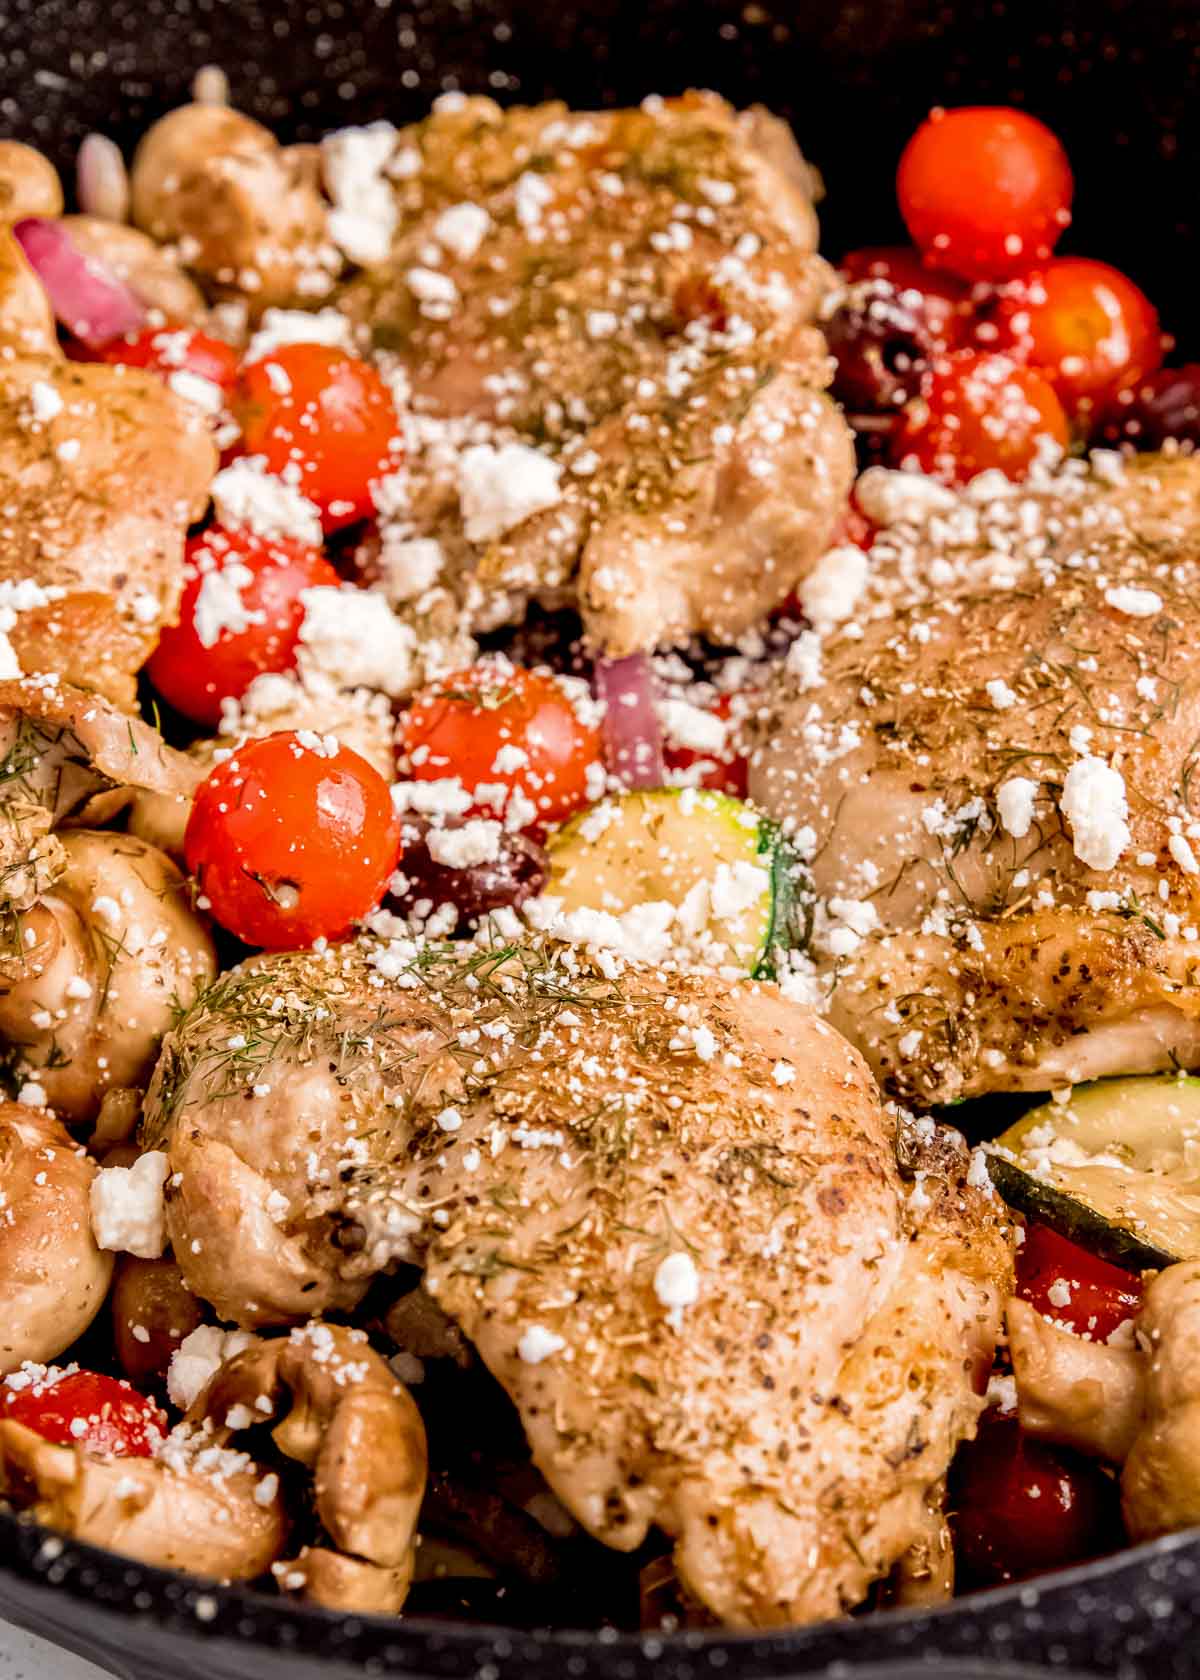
[[168, 350], [292, 839], [725, 770], [1088, 328], [507, 730], [985, 191], [87, 1409], [325, 421], [1071, 1286], [896, 318], [1020, 1507], [240, 615], [980, 410], [1166, 405]]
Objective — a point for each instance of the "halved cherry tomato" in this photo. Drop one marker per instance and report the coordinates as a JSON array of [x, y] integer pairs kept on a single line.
[[1020, 1507], [168, 350], [292, 839], [507, 730], [240, 615], [1073, 1287], [103, 1415], [985, 191], [980, 410], [1086, 326], [323, 420], [726, 771]]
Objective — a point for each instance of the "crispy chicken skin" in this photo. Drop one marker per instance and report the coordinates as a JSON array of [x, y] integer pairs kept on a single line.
[[973, 934], [669, 1201], [636, 299]]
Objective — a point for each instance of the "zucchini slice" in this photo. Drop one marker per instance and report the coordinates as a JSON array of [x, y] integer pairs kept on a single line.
[[726, 871], [1116, 1168]]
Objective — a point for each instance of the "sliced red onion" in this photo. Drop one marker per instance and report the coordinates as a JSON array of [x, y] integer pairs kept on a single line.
[[87, 298], [632, 734], [102, 180]]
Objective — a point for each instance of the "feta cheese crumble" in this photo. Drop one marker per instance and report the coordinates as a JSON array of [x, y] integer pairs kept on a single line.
[[499, 488], [1094, 803], [538, 1344], [127, 1206]]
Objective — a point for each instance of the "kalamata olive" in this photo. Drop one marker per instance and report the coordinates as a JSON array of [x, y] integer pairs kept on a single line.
[[1020, 1507], [518, 871], [152, 1311], [1164, 405], [895, 318]]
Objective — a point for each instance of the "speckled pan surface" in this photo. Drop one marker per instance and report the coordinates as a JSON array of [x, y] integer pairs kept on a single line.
[[1119, 82]]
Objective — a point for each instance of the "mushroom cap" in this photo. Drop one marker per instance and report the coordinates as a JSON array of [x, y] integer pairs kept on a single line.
[[53, 1278], [29, 183]]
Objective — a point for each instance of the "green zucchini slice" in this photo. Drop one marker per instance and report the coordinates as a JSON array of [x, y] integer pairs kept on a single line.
[[1115, 1169], [727, 871]]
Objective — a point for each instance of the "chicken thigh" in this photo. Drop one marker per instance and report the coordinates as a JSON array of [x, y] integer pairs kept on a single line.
[[708, 1187], [992, 773]]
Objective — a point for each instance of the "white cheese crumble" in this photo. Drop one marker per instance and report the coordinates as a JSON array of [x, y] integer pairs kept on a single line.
[[408, 565], [999, 693], [363, 219], [300, 326], [1094, 803], [44, 401], [537, 1344], [245, 494], [197, 1360], [677, 1285], [1183, 854], [475, 842], [834, 587], [353, 636], [691, 726], [462, 229], [499, 488], [1134, 603], [1014, 801], [127, 1206], [219, 605]]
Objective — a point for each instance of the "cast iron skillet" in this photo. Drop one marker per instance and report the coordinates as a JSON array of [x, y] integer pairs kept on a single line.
[[1118, 82]]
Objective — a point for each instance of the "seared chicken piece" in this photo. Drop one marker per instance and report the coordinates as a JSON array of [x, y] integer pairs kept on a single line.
[[993, 773], [690, 1257], [99, 941], [53, 1277], [607, 317]]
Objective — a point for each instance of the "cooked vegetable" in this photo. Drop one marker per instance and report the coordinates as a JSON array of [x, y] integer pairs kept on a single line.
[[1116, 1169], [91, 303], [97, 1413], [726, 872]]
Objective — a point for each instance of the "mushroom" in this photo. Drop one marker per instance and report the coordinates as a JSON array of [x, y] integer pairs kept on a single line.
[[197, 1506], [53, 1277], [105, 957], [29, 183], [246, 212], [1082, 1394], [151, 272], [153, 1310], [1160, 1485], [355, 1426]]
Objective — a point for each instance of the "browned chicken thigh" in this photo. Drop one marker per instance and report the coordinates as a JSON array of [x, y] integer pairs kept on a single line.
[[708, 1186]]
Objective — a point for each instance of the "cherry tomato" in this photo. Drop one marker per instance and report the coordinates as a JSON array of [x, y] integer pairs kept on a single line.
[[292, 839], [87, 1409], [985, 191], [1087, 327], [896, 318], [980, 410], [240, 615], [1020, 1507], [1071, 1286], [726, 771], [168, 350], [503, 727], [856, 528], [324, 420]]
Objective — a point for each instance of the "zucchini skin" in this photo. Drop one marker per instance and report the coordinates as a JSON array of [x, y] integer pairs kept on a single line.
[[791, 909], [1073, 1219]]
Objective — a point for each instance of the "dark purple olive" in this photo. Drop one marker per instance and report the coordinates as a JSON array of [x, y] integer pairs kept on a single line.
[[1165, 405], [518, 871]]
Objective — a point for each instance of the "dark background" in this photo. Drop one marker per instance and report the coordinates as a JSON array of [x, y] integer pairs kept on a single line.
[[1118, 81]]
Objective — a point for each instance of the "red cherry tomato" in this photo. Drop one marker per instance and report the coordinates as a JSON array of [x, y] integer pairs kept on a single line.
[[86, 1409], [240, 615], [725, 771], [1069, 1285], [985, 191], [980, 410], [168, 350], [292, 839], [1019, 1507], [501, 726], [1087, 327], [324, 420]]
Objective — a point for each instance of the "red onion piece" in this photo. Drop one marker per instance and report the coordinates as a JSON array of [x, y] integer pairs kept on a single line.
[[101, 179], [90, 302], [632, 735]]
